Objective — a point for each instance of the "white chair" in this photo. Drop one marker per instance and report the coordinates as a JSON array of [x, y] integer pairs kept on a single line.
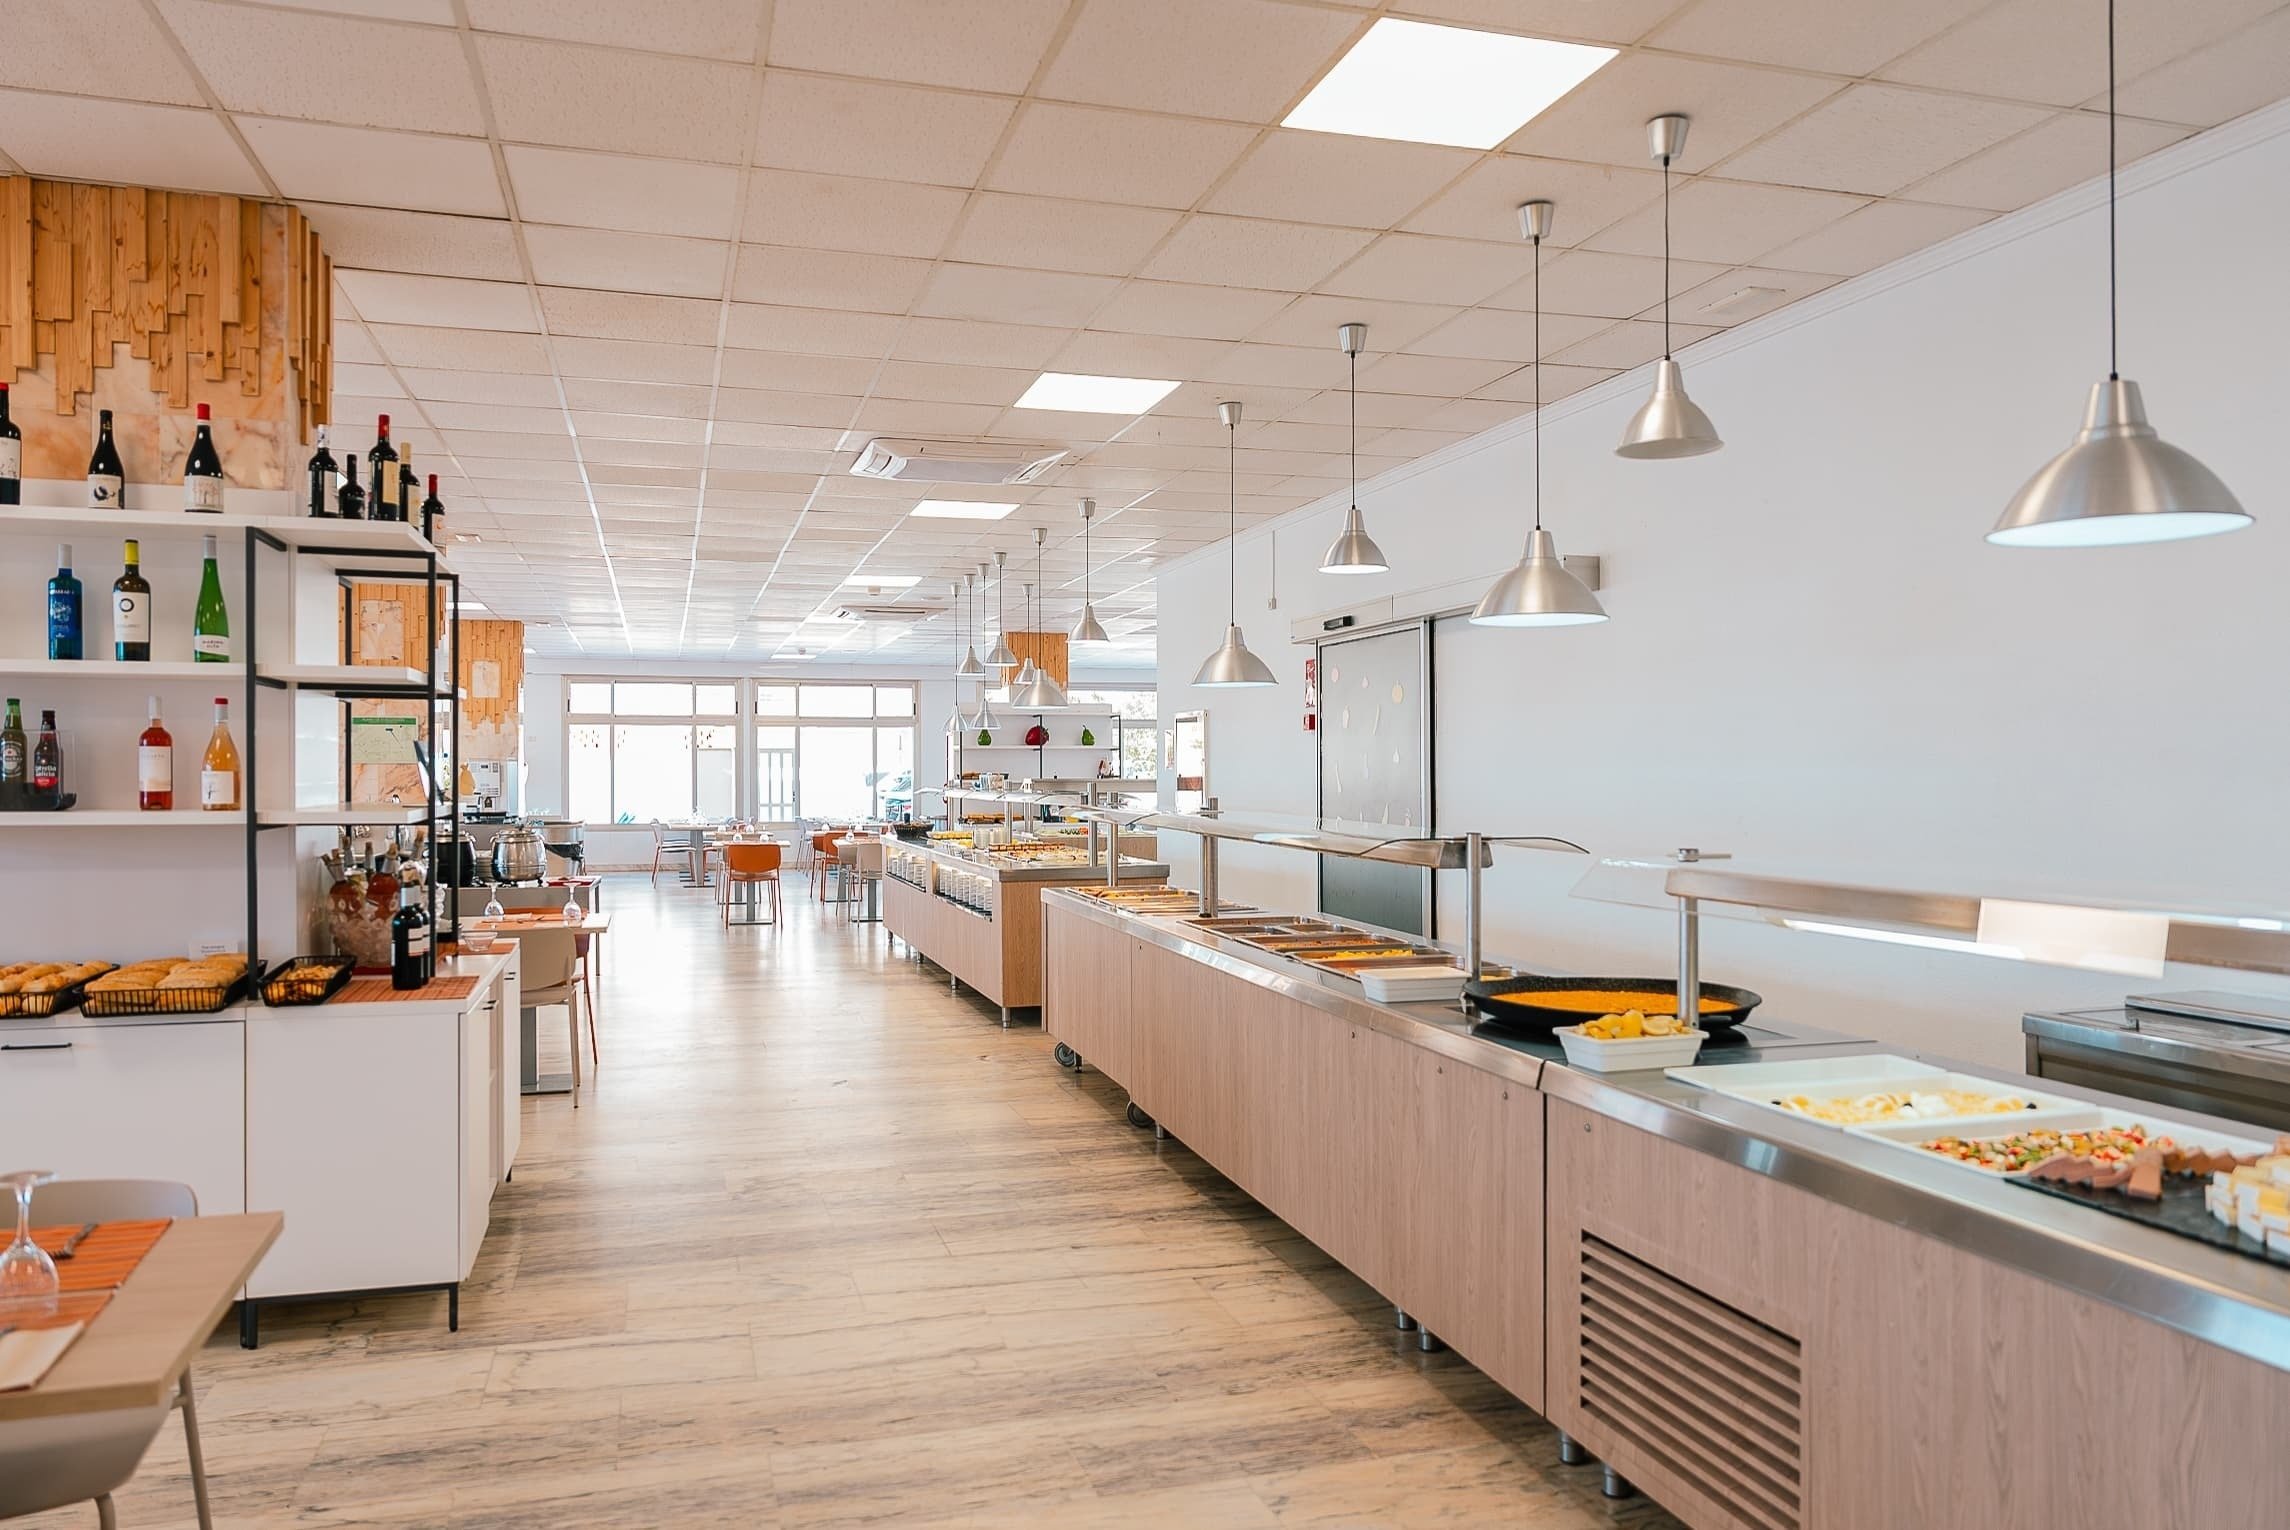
[[665, 844], [47, 1463], [549, 971]]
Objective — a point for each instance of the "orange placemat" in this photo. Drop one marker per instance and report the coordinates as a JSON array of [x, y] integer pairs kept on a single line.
[[517, 921], [105, 1257], [377, 990], [67, 1309]]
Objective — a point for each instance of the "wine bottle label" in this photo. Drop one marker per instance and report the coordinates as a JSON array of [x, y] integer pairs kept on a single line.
[[104, 490], [212, 645], [131, 617], [154, 768], [417, 942], [218, 788], [11, 457], [202, 493]]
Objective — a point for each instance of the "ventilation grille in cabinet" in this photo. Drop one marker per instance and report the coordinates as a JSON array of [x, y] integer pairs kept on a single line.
[[1709, 1393]]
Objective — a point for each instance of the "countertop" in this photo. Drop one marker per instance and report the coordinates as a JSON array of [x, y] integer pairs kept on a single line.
[[2239, 1303], [965, 859], [480, 967]]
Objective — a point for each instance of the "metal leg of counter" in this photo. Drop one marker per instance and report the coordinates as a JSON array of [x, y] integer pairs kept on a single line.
[[1571, 1451], [1401, 1321], [1614, 1485]]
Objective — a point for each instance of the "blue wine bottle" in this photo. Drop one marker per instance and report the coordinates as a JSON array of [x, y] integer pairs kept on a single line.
[[64, 608]]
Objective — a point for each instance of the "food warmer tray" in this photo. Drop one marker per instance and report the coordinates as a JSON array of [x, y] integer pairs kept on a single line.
[[2181, 1211], [1508, 1003]]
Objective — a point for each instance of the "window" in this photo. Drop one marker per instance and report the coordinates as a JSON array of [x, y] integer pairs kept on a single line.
[[834, 750], [636, 750], [1136, 742]]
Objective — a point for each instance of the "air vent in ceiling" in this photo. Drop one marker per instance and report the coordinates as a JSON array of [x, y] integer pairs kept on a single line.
[[1714, 1396], [856, 614], [954, 461]]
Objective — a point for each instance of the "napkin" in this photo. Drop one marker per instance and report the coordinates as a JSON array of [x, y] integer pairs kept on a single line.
[[26, 1354]]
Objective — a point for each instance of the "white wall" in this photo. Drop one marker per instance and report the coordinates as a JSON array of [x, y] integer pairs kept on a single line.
[[1815, 660]]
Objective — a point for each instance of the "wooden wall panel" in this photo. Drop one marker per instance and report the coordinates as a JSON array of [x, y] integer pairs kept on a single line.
[[390, 625], [147, 302], [1047, 649]]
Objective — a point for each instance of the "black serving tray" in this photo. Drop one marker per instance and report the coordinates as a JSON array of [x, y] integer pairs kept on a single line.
[[15, 797], [2181, 1211], [1509, 1003]]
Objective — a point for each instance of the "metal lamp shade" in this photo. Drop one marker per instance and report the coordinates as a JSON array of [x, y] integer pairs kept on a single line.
[[969, 668], [1001, 657], [1668, 424], [1089, 629], [1038, 691], [1233, 665], [2119, 483], [1354, 551], [1538, 592], [1025, 675]]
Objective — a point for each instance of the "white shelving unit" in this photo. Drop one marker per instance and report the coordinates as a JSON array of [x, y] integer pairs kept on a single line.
[[121, 818]]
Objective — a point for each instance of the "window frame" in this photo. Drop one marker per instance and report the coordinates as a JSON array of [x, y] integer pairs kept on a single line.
[[875, 722], [613, 720]]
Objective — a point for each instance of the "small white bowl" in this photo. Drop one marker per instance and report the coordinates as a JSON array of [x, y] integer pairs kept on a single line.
[[1625, 1053], [478, 942]]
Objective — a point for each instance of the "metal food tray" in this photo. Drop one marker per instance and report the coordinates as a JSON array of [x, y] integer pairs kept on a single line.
[[1508, 1003], [119, 1002]]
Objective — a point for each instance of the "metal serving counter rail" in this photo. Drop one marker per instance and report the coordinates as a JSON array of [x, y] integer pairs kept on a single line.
[[2237, 1303]]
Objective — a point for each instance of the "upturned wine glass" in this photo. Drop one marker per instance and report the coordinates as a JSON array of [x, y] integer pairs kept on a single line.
[[26, 1271]]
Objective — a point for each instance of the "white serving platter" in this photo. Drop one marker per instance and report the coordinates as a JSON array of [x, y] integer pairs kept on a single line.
[[1847, 1078], [1909, 1135]]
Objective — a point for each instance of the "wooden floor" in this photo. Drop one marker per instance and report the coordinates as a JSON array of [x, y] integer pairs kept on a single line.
[[826, 1245]]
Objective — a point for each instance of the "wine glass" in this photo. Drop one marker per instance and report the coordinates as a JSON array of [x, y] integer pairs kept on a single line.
[[493, 908], [26, 1271]]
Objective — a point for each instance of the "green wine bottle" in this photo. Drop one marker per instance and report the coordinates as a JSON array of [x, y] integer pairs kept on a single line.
[[211, 627]]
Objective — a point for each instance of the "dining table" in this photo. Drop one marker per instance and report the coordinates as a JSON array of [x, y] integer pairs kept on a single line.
[[596, 925], [141, 1341]]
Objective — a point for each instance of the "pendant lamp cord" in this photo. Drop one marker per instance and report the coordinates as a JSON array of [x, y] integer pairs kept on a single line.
[[1666, 253], [1232, 522], [1354, 357], [1538, 383], [2113, 370]]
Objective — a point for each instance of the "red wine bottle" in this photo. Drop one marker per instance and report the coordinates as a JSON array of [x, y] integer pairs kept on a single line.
[[351, 502], [322, 472], [384, 503], [203, 472], [11, 455]]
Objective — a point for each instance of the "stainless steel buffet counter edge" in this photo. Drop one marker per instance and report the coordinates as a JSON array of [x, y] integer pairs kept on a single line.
[[963, 860], [2237, 1303]]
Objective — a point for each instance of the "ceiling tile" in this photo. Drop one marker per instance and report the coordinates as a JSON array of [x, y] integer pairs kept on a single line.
[[1484, 204], [1332, 178], [374, 167], [2066, 151], [516, 418], [1609, 21], [836, 212], [1000, 386], [1809, 34], [1732, 105], [1419, 268], [1745, 293], [1253, 252], [927, 42], [827, 279], [637, 397], [437, 385], [791, 372], [633, 360], [295, 64], [616, 99], [1006, 294], [818, 331], [2216, 84], [365, 381], [352, 343], [1103, 354], [452, 302], [1626, 345], [701, 28], [83, 139], [759, 407], [1878, 234], [629, 316], [475, 350], [2055, 51], [1440, 376], [878, 131], [108, 48], [1178, 308], [639, 427], [648, 263], [1058, 235], [642, 196], [1244, 60], [1724, 221], [384, 239], [1075, 151], [999, 345], [1313, 320], [1497, 334], [1520, 387], [1601, 284], [1875, 139]]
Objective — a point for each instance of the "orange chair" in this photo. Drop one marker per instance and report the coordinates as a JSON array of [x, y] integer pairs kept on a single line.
[[823, 860], [747, 865]]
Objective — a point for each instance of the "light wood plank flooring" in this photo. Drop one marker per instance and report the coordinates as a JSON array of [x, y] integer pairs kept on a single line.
[[826, 1245]]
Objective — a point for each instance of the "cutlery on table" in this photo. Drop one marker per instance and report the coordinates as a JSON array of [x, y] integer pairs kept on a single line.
[[72, 1243]]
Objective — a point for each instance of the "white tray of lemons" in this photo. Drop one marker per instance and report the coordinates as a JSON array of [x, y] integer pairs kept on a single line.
[[1617, 1043]]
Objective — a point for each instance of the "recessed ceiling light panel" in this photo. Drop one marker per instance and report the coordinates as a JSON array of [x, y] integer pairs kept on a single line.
[[1080, 393], [961, 510], [1421, 83]]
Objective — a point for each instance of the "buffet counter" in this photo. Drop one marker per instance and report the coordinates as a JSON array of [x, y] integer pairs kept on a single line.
[[978, 913], [1760, 1319]]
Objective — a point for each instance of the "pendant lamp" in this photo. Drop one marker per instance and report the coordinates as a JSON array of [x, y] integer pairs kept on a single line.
[[1669, 424], [1025, 675], [1232, 664], [969, 668], [1042, 690], [2119, 483], [1354, 551], [1001, 657], [1088, 629], [1539, 591]]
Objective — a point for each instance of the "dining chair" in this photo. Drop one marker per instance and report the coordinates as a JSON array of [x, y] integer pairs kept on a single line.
[[48, 1463], [664, 845], [751, 865], [549, 963], [867, 870], [823, 860]]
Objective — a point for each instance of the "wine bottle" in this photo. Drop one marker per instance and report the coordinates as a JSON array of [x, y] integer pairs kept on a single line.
[[219, 768], [11, 455], [131, 610], [155, 765], [352, 500], [203, 471], [412, 962], [47, 756], [409, 487], [433, 516], [15, 749], [382, 505], [322, 478], [106, 479], [64, 608], [211, 627]]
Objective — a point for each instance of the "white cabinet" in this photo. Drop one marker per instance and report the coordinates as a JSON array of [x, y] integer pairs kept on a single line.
[[124, 1101], [508, 1127]]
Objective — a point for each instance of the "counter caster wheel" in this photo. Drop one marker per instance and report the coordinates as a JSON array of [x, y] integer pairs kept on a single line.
[[1067, 1057], [1137, 1117]]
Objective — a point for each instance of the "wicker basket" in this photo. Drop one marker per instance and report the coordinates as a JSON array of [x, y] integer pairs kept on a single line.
[[160, 1001], [34, 1006], [305, 980]]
